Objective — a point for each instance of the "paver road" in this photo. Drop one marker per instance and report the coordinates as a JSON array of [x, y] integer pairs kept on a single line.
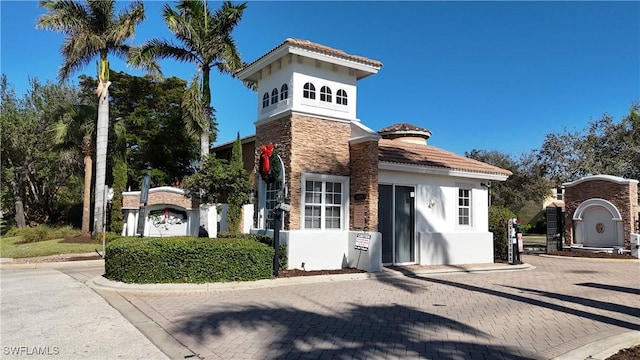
[[537, 314]]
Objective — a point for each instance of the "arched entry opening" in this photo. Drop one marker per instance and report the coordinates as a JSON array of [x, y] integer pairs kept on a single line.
[[598, 223]]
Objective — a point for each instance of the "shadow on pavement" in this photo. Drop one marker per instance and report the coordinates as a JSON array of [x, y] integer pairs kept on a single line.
[[623, 309], [612, 288], [548, 305], [359, 332]]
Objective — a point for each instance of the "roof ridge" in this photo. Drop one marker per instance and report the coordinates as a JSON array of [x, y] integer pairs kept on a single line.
[[313, 46]]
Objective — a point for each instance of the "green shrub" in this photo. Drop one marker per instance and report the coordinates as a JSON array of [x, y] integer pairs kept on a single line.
[[187, 260], [498, 218], [42, 233], [265, 239]]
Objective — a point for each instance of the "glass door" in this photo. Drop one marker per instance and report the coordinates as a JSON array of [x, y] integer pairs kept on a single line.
[[396, 223]]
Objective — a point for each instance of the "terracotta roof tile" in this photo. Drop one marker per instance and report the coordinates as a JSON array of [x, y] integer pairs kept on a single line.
[[431, 156], [306, 44]]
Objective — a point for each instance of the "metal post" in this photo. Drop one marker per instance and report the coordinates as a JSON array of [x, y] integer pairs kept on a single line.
[[144, 198]]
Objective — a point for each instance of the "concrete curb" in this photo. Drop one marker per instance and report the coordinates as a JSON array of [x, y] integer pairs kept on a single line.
[[604, 348], [103, 283], [51, 265]]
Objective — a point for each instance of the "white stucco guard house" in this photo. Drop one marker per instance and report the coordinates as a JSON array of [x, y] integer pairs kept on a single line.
[[415, 203]]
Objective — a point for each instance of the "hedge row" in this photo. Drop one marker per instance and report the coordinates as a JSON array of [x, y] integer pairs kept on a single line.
[[187, 260], [265, 239]]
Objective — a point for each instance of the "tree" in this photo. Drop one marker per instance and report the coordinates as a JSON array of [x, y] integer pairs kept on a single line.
[[221, 181], [39, 182], [119, 176], [526, 184], [207, 42], [602, 147], [240, 187], [73, 133], [152, 130], [93, 30]]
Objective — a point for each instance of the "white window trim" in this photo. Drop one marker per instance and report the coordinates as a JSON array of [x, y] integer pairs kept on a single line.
[[344, 208], [472, 218]]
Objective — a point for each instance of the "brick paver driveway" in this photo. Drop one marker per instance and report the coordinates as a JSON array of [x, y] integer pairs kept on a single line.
[[541, 313]]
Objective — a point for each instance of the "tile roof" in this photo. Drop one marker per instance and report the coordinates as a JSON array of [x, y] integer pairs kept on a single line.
[[403, 127], [306, 44], [431, 156], [404, 130]]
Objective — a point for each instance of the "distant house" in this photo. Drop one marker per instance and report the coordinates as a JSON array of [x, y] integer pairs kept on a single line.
[[414, 203], [555, 198]]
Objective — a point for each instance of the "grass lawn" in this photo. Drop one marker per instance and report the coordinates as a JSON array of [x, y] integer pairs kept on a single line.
[[10, 249]]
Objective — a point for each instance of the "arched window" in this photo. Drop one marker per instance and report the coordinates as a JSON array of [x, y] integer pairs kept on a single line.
[[325, 94], [309, 91], [265, 100], [341, 97], [284, 92], [274, 96]]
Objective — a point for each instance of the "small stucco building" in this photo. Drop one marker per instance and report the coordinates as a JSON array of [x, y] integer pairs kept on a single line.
[[417, 204], [601, 211]]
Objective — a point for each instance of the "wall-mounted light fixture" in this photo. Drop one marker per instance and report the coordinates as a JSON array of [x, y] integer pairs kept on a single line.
[[432, 203]]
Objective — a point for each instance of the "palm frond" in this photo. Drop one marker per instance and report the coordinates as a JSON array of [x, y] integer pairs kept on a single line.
[[227, 17], [193, 110], [140, 59], [182, 26], [63, 16], [126, 22], [229, 58], [92, 30]]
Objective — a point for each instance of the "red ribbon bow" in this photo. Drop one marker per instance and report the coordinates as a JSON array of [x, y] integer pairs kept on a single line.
[[267, 151]]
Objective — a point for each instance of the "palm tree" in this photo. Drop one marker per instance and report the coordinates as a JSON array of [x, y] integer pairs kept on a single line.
[[75, 125], [93, 29], [206, 41]]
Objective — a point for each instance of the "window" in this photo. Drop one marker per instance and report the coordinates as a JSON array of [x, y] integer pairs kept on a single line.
[[559, 194], [325, 94], [265, 100], [341, 97], [284, 92], [464, 207], [271, 193], [309, 91], [274, 96], [323, 204]]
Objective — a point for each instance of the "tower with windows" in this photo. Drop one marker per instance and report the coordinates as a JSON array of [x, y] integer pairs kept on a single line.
[[307, 97]]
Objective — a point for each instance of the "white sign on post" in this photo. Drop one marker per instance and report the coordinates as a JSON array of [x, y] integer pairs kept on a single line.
[[362, 242]]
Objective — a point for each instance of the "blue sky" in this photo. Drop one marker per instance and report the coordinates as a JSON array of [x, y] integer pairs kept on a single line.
[[479, 75]]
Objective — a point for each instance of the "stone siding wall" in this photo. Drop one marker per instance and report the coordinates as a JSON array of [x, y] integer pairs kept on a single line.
[[277, 132], [364, 180], [306, 145], [318, 146], [623, 196]]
